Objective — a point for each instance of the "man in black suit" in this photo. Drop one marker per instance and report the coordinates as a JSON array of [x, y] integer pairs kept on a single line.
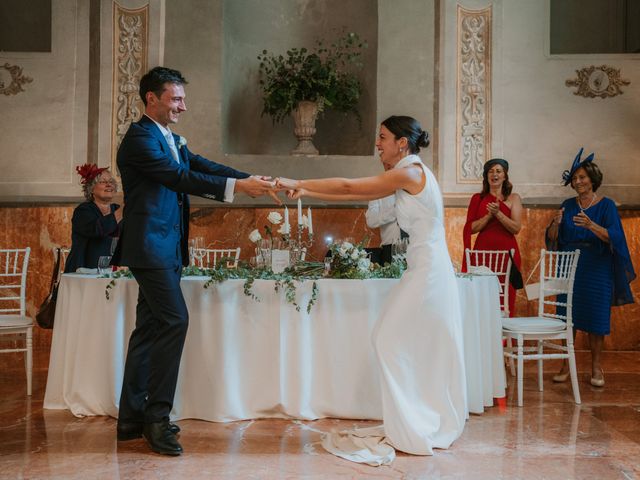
[[158, 171]]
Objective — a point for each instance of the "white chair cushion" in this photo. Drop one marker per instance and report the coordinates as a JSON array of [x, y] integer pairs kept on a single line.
[[9, 321], [480, 270], [533, 324]]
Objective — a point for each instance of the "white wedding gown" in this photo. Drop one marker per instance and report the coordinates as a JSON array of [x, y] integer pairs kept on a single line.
[[418, 343]]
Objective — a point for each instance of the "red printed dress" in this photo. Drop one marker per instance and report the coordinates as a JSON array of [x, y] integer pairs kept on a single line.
[[494, 236]]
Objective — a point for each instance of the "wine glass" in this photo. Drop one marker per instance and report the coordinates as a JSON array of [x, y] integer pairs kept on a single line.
[[399, 248], [196, 250], [104, 265]]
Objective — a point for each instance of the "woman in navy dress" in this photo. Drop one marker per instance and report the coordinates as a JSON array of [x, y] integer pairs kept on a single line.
[[95, 223], [590, 222]]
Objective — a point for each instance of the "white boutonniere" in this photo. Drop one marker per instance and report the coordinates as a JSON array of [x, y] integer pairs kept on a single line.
[[182, 142]]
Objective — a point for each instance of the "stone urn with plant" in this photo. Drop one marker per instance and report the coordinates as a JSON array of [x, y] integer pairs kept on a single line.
[[305, 82]]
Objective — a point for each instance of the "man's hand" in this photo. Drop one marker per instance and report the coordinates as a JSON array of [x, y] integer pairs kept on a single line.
[[257, 185]]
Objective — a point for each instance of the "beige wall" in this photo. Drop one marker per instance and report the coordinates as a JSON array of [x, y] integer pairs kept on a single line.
[[537, 122]]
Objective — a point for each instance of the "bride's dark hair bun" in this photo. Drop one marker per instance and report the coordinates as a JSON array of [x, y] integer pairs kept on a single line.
[[408, 127], [423, 139]]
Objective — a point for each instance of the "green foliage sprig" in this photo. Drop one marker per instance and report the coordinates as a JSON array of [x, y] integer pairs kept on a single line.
[[323, 74], [342, 267]]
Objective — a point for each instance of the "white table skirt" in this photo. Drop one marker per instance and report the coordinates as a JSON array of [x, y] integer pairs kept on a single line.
[[247, 359]]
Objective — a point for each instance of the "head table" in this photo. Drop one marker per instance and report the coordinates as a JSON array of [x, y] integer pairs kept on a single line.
[[246, 358]]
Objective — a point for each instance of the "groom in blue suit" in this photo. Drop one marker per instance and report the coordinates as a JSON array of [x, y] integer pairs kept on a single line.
[[158, 171]]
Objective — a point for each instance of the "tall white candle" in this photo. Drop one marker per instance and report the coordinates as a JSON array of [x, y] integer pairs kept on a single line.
[[299, 212], [309, 220], [287, 227]]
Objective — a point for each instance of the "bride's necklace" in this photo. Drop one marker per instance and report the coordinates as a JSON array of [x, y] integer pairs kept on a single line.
[[593, 199]]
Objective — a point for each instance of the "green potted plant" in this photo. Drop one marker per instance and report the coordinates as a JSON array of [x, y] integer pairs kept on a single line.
[[305, 82]]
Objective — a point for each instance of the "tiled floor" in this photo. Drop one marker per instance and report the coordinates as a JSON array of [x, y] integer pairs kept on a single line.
[[549, 438]]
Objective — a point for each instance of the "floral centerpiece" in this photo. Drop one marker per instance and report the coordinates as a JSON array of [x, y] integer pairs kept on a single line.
[[349, 260], [274, 219]]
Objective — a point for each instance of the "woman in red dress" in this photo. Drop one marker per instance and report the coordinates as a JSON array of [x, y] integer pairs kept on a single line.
[[495, 215]]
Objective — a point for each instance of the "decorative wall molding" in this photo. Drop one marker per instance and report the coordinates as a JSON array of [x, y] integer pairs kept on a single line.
[[130, 58], [603, 81], [12, 80], [473, 90]]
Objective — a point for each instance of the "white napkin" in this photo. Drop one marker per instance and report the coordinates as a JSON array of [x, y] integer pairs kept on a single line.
[[87, 271]]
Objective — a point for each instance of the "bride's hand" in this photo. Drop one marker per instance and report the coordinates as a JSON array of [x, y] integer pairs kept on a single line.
[[286, 183], [296, 194]]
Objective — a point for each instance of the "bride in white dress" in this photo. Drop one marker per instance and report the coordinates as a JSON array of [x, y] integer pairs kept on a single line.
[[418, 337]]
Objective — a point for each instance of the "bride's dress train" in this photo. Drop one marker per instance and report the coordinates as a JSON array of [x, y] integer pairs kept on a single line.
[[418, 344]]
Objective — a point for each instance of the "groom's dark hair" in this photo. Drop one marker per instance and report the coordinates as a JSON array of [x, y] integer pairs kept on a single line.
[[154, 80]]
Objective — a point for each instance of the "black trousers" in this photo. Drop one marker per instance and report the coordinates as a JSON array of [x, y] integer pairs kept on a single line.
[[380, 255], [155, 347]]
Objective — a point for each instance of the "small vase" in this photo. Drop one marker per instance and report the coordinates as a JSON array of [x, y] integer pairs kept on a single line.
[[304, 117]]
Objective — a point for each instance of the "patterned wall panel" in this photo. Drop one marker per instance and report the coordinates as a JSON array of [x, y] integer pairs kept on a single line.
[[130, 58], [473, 101]]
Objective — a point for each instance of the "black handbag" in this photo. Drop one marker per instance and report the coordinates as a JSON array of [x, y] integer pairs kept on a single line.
[[47, 311], [515, 277]]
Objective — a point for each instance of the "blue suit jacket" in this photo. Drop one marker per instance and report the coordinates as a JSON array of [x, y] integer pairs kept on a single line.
[[155, 224]]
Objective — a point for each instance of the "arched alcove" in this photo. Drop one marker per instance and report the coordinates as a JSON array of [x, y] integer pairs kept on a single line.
[[251, 26]]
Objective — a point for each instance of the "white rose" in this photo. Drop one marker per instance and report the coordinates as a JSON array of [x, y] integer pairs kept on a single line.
[[355, 255], [347, 246], [275, 218], [284, 229], [343, 251], [182, 142], [364, 264], [255, 236]]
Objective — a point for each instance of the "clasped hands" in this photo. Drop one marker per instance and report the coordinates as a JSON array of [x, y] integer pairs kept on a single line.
[[257, 185]]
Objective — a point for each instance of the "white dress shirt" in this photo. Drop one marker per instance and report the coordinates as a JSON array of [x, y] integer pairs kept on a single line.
[[166, 133], [382, 214]]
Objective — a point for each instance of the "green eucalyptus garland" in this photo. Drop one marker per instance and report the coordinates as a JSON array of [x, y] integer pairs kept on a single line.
[[285, 281]]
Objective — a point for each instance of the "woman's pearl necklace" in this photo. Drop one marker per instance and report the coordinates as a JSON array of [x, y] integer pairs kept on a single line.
[[593, 199]]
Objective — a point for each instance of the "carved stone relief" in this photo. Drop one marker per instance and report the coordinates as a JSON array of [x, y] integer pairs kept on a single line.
[[602, 81], [473, 103], [12, 80], [130, 34]]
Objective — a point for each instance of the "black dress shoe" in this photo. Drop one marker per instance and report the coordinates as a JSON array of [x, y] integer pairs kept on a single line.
[[160, 438], [132, 430]]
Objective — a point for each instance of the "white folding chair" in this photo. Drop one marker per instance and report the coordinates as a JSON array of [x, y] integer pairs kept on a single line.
[[499, 262], [212, 256], [557, 274], [15, 327]]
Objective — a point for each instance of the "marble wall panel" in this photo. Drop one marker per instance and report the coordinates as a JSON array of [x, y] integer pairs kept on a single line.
[[44, 227]]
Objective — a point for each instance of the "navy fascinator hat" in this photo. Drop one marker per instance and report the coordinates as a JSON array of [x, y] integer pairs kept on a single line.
[[577, 163], [496, 161]]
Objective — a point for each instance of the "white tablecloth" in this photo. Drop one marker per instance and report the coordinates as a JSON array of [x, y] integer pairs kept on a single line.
[[254, 359]]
